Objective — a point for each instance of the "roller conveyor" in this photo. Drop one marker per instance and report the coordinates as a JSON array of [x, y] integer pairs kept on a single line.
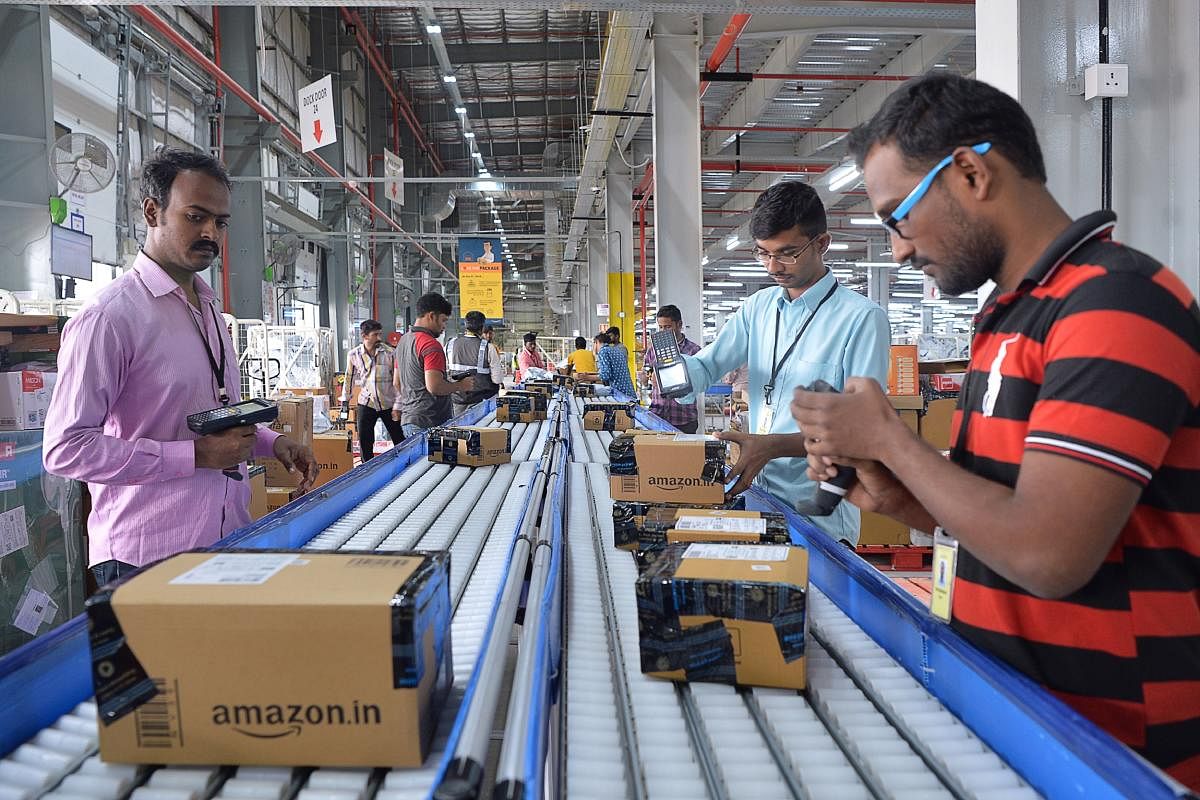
[[865, 728]]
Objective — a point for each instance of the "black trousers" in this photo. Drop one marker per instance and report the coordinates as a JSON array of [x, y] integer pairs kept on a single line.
[[689, 427], [365, 420]]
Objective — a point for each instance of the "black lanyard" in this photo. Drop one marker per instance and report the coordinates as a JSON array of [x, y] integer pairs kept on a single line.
[[218, 368], [769, 387]]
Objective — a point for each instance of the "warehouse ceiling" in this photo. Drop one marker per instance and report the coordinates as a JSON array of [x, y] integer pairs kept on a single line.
[[526, 75]]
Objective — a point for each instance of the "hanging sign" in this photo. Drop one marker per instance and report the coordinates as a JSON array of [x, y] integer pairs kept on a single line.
[[316, 115], [393, 169], [480, 277]]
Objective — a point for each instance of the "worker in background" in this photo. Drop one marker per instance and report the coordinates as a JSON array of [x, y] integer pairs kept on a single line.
[[148, 350], [471, 354], [529, 356], [682, 415], [613, 364], [807, 327], [371, 368], [422, 389], [582, 362], [1071, 489]]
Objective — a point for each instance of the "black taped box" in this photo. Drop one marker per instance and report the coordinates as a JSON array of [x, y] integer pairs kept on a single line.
[[725, 613], [649, 527]]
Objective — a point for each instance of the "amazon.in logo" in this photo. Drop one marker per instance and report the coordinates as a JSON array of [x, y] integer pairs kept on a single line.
[[276, 721], [672, 483]]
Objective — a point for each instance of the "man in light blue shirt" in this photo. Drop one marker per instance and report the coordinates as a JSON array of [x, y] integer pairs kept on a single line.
[[806, 327]]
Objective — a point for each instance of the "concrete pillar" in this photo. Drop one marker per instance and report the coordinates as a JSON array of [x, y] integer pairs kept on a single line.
[[677, 239], [326, 48], [597, 281], [1030, 49], [26, 135], [379, 111], [245, 247], [619, 208]]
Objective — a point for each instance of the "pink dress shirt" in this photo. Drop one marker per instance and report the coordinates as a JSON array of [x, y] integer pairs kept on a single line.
[[131, 369]]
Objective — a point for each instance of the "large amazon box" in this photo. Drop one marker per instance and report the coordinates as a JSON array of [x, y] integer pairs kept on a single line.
[[521, 406], [638, 526], [725, 613], [657, 467], [607, 415], [470, 446], [328, 659]]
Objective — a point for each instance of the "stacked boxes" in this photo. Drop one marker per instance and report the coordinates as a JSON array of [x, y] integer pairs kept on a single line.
[[725, 613], [644, 527], [667, 468], [607, 415], [470, 446], [542, 387], [252, 657], [295, 421], [24, 399], [521, 406], [582, 389]]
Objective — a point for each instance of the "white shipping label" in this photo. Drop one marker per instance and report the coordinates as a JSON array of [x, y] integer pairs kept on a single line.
[[13, 535], [32, 612], [722, 524], [692, 437], [737, 552], [235, 569]]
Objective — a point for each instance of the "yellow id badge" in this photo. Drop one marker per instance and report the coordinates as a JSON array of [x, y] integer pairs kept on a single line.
[[945, 562], [765, 419]]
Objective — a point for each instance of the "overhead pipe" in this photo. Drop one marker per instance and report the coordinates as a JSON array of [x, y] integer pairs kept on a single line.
[[222, 78], [744, 166], [737, 24], [773, 129]]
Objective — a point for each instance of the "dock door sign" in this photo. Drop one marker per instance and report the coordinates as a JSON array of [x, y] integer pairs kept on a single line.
[[316, 115]]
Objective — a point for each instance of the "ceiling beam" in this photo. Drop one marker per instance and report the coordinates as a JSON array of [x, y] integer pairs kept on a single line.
[[461, 55]]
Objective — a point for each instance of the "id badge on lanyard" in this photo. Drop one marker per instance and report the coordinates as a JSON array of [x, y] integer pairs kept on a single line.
[[765, 419], [945, 565]]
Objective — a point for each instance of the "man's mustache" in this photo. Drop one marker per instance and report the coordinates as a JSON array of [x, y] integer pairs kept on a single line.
[[210, 247]]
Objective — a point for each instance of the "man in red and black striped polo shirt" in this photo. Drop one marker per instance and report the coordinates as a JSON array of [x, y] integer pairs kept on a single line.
[[1073, 486]]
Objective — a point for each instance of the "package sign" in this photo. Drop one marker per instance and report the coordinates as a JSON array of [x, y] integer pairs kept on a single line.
[[317, 127], [481, 277]]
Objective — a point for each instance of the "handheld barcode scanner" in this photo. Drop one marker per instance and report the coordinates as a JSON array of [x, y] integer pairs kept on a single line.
[[669, 368], [247, 412], [829, 492]]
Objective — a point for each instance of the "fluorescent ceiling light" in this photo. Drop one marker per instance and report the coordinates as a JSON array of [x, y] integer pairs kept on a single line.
[[732, 241], [917, 295], [843, 176], [726, 284], [487, 186], [469, 134], [864, 221], [807, 105], [863, 39], [460, 110], [433, 28], [838, 246], [863, 47], [449, 79], [712, 291], [874, 263]]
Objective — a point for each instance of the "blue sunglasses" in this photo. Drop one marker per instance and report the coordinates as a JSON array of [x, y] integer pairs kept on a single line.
[[914, 197]]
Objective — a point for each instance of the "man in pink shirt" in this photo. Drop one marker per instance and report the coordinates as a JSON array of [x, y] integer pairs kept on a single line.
[[529, 356], [142, 355]]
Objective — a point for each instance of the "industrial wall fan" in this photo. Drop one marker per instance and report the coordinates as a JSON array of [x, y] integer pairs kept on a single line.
[[81, 162], [283, 253]]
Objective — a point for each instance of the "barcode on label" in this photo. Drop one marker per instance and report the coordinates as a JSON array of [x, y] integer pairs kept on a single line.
[[157, 720]]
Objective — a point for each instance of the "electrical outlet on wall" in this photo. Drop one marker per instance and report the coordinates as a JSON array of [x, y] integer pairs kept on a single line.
[[1106, 80]]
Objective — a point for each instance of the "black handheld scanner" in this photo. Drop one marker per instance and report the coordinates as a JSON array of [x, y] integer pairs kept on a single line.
[[831, 490], [672, 374]]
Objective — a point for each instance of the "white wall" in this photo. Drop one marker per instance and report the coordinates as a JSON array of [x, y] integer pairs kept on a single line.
[[1156, 130]]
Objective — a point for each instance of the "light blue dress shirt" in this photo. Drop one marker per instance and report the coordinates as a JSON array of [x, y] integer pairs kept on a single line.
[[849, 337]]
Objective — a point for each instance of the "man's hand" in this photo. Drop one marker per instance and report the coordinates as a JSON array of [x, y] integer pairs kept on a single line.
[[875, 489], [395, 415], [465, 384], [225, 450], [755, 451], [857, 424], [299, 459]]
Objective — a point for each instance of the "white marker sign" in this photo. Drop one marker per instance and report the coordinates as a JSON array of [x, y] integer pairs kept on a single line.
[[393, 168], [316, 115]]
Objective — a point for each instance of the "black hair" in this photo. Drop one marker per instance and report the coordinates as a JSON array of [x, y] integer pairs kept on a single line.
[[370, 326], [475, 320], [670, 312], [787, 205], [489, 329], [433, 303], [580, 343], [529, 337], [160, 170], [602, 338], [928, 117], [614, 334]]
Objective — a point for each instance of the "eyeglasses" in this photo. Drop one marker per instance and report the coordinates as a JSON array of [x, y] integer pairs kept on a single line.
[[786, 259], [894, 219]]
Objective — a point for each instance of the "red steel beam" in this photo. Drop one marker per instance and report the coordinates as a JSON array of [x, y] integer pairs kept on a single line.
[[221, 77], [737, 24]]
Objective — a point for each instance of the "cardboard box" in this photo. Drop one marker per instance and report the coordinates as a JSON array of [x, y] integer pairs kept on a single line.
[[661, 467], [642, 527], [334, 457], [24, 399], [902, 370], [295, 418], [725, 613], [610, 415], [584, 389], [878, 529], [42, 553], [544, 388], [258, 492], [521, 406], [328, 659], [469, 446], [935, 424], [276, 497]]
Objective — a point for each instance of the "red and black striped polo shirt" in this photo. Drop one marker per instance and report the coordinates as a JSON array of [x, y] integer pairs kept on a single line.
[[1096, 356]]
